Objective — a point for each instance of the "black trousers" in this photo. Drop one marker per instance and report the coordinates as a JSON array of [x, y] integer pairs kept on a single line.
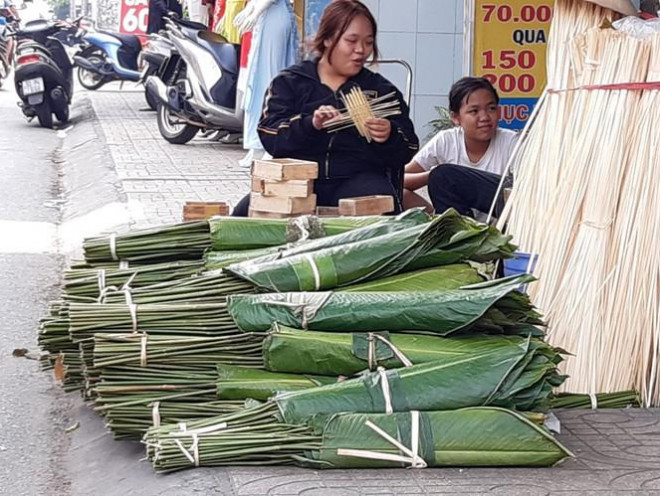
[[465, 188], [330, 191]]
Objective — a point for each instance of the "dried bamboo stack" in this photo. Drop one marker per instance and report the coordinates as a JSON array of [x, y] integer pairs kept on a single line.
[[586, 201]]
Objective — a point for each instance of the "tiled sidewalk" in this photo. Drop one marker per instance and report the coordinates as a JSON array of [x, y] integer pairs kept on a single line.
[[162, 176]]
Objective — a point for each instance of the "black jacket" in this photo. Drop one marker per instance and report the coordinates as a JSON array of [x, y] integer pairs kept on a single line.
[[286, 129]]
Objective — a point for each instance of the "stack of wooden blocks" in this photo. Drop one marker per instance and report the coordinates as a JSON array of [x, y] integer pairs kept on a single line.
[[283, 188]]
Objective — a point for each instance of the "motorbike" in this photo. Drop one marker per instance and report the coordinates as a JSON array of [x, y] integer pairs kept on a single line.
[[198, 88], [44, 74], [108, 56], [152, 59], [8, 24]]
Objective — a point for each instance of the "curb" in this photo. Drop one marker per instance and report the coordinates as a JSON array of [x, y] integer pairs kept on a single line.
[[92, 198]]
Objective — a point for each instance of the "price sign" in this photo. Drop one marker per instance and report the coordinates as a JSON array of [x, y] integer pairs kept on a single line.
[[509, 49], [134, 17]]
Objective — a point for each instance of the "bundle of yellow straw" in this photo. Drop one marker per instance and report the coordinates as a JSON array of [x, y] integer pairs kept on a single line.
[[586, 200]]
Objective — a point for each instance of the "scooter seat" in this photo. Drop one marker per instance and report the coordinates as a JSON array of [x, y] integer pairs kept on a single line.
[[225, 53], [191, 24], [130, 41]]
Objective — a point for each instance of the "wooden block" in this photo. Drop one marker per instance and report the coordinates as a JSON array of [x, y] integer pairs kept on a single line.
[[204, 210], [285, 169], [296, 188], [327, 211], [269, 215], [257, 184], [282, 204], [366, 205]]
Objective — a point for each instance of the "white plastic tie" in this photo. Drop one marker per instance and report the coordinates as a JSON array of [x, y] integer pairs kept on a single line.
[[410, 455], [123, 265], [385, 386], [101, 280], [302, 223], [372, 351], [594, 401], [143, 350], [113, 247], [132, 308], [315, 271], [193, 454], [155, 413]]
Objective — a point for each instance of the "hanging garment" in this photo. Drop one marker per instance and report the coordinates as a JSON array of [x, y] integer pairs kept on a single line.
[[274, 48], [197, 11], [227, 28], [218, 14]]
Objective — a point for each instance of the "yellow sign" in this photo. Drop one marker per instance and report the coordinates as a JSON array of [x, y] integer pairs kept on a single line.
[[509, 49]]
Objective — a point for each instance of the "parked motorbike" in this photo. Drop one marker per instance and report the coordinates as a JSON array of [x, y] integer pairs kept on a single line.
[[44, 73], [152, 59], [7, 45], [198, 88], [108, 56]]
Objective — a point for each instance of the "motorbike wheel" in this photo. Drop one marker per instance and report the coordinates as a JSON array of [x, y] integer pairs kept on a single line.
[[62, 115], [152, 101], [88, 79], [44, 115], [175, 133]]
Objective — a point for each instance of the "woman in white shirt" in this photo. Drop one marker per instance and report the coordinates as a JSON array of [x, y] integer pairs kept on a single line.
[[462, 166]]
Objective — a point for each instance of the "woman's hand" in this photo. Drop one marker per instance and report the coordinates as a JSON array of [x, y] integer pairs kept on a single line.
[[324, 114], [380, 129]]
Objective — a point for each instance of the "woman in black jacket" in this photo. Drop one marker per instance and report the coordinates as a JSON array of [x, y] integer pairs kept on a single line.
[[303, 97]]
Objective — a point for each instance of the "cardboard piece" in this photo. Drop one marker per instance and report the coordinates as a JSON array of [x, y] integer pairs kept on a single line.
[[366, 205]]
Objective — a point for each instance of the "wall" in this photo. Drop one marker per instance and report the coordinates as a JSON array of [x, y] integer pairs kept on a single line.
[[428, 34]]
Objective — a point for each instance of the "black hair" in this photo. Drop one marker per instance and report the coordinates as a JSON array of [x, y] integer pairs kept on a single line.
[[464, 87]]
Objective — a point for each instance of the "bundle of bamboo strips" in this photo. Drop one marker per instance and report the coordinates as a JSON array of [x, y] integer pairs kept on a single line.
[[193, 352], [94, 282], [179, 241], [130, 397], [586, 201], [359, 109]]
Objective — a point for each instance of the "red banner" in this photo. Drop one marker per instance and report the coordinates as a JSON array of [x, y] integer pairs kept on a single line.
[[134, 17]]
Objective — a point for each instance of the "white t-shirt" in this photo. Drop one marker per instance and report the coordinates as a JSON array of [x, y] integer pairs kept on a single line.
[[448, 147]]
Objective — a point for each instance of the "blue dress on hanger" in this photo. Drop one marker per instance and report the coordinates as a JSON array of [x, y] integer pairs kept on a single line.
[[274, 48]]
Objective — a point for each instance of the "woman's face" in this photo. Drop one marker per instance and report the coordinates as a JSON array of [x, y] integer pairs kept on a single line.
[[353, 49], [478, 116]]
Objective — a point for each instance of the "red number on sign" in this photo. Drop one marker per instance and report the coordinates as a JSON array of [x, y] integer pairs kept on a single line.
[[504, 13], [526, 59], [488, 15], [489, 62], [527, 13], [507, 59], [508, 83], [526, 83], [544, 13]]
